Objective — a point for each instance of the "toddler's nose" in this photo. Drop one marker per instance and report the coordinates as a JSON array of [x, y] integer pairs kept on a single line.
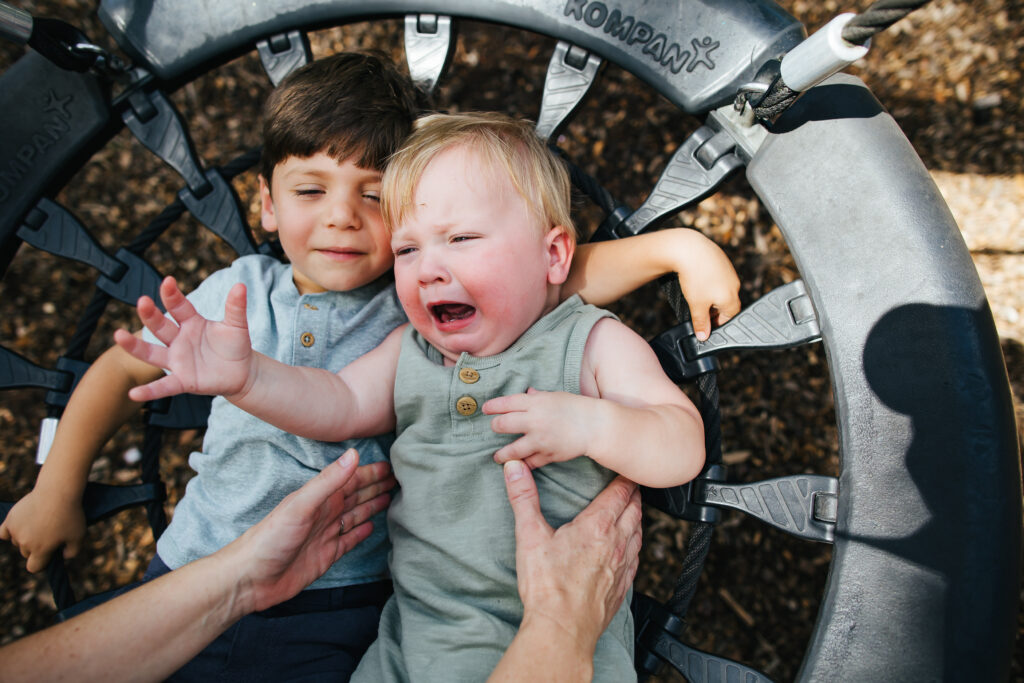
[[431, 269]]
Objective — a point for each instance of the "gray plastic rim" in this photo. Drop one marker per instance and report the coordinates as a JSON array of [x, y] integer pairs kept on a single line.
[[924, 577]]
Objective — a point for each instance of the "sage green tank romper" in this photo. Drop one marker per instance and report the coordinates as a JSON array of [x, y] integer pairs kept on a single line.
[[456, 607]]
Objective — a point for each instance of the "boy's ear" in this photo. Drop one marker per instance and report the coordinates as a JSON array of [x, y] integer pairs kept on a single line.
[[267, 216], [560, 248]]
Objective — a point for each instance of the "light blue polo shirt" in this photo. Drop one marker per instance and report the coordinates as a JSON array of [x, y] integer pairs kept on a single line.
[[246, 466]]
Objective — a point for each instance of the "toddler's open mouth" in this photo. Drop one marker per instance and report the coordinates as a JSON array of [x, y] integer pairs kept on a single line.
[[446, 313]]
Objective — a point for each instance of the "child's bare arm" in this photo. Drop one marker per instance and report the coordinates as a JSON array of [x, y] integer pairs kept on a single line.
[[632, 419], [318, 404], [51, 514], [605, 271], [208, 357]]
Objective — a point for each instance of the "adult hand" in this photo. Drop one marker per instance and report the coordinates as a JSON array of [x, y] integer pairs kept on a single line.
[[272, 561], [572, 580], [309, 531]]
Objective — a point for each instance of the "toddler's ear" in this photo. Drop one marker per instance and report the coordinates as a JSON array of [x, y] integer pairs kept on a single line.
[[560, 248], [267, 216]]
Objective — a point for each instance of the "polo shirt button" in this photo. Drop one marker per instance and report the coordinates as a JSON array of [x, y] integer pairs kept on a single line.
[[466, 405], [307, 339], [469, 375]]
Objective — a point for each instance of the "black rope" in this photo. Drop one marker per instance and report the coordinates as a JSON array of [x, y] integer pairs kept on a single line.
[[593, 189], [587, 184], [241, 163], [778, 99], [707, 385], [152, 232], [87, 325], [60, 584], [698, 543], [880, 16], [150, 473]]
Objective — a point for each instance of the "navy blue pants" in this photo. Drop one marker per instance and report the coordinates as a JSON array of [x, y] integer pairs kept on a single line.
[[319, 635]]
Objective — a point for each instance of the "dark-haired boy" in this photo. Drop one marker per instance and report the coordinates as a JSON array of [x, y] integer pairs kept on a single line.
[[328, 130]]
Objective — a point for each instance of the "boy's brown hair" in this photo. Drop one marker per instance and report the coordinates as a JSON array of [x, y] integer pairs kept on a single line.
[[502, 143], [351, 105]]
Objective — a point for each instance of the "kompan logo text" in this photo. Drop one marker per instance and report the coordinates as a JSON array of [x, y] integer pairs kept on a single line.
[[634, 32]]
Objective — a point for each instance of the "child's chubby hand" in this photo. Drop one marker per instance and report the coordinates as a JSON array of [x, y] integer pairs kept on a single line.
[[707, 279], [202, 356], [555, 426], [40, 523]]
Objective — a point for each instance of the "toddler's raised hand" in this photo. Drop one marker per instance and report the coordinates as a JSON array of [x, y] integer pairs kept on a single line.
[[203, 356], [555, 426]]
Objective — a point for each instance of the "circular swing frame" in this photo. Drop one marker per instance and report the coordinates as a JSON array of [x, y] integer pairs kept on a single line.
[[928, 514]]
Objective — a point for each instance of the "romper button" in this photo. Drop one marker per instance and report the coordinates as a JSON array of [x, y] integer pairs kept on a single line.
[[466, 405], [469, 375], [307, 339]]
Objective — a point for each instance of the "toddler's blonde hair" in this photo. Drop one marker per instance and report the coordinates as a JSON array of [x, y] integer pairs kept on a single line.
[[500, 142]]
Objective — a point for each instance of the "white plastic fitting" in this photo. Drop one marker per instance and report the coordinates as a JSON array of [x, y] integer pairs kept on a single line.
[[47, 431], [821, 55]]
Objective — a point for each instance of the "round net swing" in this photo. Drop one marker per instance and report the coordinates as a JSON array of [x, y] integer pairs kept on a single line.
[[890, 302]]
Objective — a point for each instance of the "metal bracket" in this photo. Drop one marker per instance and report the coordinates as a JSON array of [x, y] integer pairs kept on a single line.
[[657, 642], [429, 46], [18, 371], [283, 54], [676, 351], [694, 171], [804, 505], [214, 203], [220, 211], [742, 126], [140, 278], [52, 228], [571, 73], [152, 118], [72, 367], [782, 318], [681, 501]]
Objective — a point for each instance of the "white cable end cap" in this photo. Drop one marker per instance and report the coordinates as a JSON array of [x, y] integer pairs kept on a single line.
[[824, 53]]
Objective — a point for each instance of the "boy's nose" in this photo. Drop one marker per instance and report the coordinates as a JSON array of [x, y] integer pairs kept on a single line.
[[342, 215]]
